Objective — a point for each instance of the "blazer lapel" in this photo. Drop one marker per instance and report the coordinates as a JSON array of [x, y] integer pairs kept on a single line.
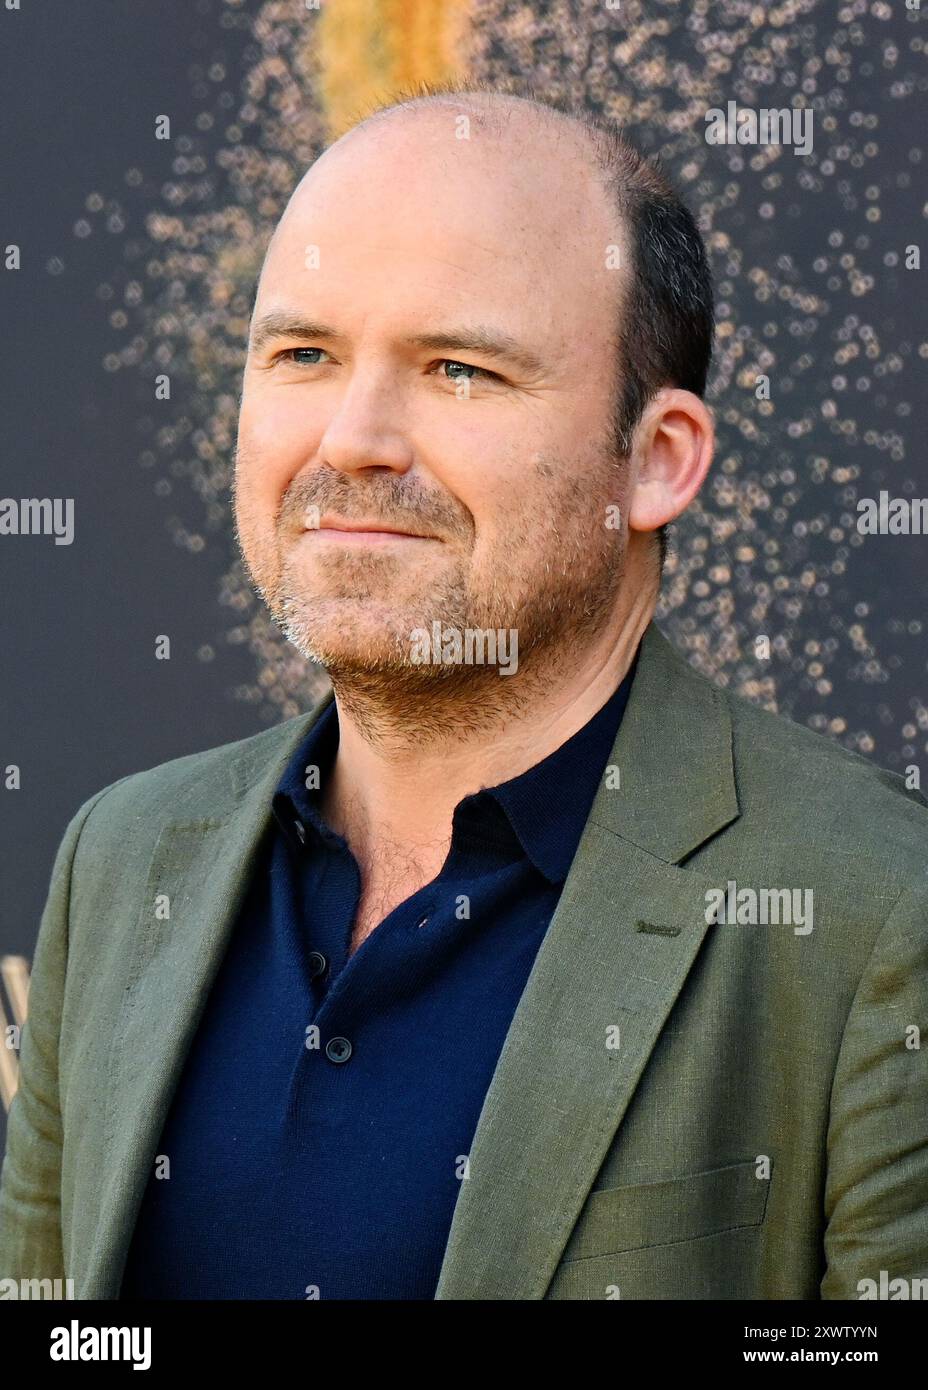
[[625, 933], [203, 864]]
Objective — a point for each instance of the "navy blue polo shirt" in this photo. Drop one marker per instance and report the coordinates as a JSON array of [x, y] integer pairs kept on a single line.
[[320, 1128]]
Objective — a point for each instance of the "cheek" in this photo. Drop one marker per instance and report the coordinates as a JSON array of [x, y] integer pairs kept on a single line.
[[273, 445], [501, 519]]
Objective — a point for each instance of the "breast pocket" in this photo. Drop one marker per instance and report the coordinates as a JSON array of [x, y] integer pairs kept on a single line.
[[628, 1234]]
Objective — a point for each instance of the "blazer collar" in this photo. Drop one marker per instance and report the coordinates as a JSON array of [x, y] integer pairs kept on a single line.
[[674, 757]]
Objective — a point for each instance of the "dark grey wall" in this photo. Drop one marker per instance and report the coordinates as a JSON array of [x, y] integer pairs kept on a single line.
[[83, 700]]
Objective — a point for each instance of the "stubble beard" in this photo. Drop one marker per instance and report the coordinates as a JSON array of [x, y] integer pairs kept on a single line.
[[556, 602]]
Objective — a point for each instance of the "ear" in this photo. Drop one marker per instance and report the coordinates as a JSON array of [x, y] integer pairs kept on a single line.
[[672, 453]]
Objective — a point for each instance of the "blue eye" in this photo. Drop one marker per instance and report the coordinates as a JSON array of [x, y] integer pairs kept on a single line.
[[291, 355], [468, 367]]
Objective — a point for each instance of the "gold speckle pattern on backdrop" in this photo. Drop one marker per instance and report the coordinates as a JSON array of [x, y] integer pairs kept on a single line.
[[367, 49]]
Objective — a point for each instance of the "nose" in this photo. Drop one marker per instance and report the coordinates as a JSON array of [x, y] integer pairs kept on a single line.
[[365, 429]]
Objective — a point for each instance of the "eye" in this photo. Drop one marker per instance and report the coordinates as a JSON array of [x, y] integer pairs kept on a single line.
[[469, 372], [290, 355]]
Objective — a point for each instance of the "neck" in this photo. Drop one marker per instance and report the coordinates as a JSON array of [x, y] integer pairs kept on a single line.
[[404, 764]]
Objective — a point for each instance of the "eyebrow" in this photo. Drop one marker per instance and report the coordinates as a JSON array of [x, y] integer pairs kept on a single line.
[[480, 338]]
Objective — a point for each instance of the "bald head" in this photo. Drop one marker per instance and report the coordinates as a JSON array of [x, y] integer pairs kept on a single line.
[[524, 121], [504, 177], [664, 306]]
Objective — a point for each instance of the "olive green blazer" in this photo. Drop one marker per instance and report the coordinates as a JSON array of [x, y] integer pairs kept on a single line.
[[688, 1104]]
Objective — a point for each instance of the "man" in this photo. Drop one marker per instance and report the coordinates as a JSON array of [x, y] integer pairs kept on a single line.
[[530, 965]]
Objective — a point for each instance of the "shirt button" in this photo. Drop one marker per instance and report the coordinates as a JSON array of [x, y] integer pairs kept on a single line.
[[300, 831], [338, 1049], [317, 964]]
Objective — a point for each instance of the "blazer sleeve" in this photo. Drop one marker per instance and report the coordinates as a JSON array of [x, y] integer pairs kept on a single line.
[[876, 1195], [30, 1181]]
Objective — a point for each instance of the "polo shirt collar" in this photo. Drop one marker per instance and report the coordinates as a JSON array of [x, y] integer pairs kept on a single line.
[[546, 806]]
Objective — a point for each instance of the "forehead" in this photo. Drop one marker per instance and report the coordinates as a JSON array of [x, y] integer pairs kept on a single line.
[[428, 206]]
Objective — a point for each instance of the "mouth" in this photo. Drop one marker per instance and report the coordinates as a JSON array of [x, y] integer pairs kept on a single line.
[[332, 533], [361, 533]]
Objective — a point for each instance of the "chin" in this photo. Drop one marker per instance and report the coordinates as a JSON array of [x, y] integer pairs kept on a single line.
[[349, 633]]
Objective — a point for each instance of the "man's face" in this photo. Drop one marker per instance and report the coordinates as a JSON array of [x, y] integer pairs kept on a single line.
[[401, 240]]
